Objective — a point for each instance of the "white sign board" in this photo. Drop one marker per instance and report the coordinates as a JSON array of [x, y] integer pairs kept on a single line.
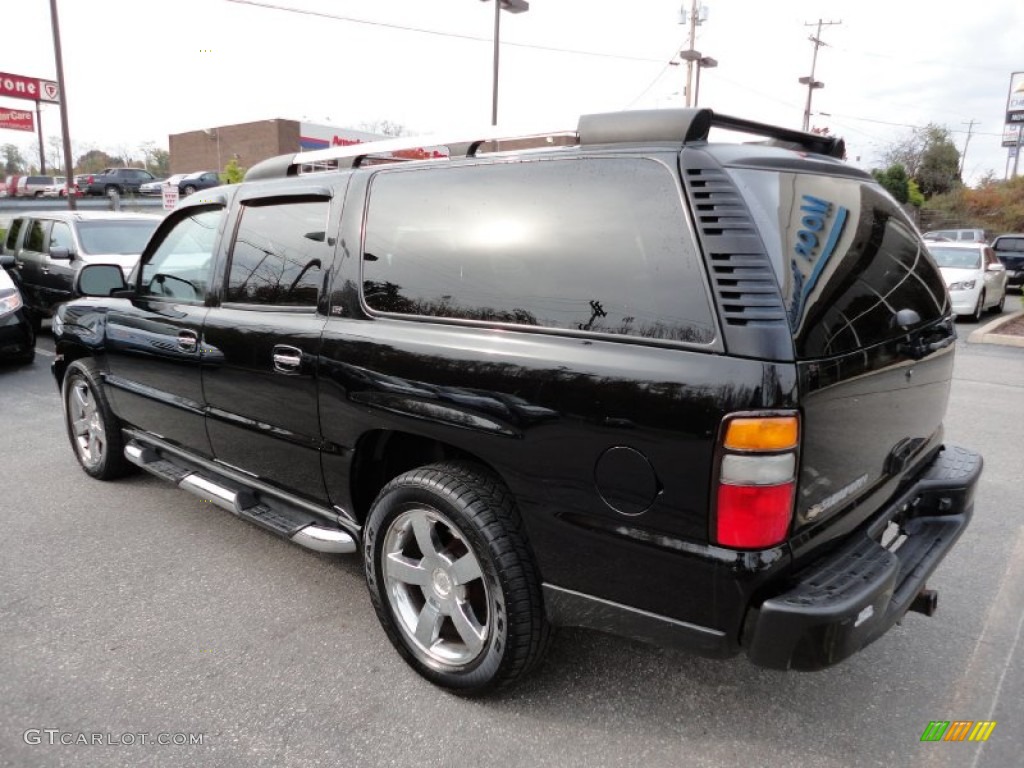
[[170, 194]]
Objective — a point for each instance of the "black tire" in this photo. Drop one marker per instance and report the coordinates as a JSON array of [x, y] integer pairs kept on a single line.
[[474, 576], [36, 319], [93, 429], [111, 191], [188, 190], [998, 308], [979, 310]]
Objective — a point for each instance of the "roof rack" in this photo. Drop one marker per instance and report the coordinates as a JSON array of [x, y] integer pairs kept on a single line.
[[656, 125]]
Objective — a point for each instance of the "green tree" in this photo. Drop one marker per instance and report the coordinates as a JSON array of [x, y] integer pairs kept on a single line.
[[939, 171], [13, 160], [914, 196], [160, 162], [894, 179], [95, 160], [930, 158], [233, 172]]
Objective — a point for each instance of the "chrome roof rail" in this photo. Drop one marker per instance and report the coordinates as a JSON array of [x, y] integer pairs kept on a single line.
[[640, 126]]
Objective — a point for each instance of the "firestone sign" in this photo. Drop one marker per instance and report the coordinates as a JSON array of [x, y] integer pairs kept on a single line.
[[31, 88]]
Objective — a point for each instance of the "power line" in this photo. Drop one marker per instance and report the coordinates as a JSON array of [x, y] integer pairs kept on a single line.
[[439, 33]]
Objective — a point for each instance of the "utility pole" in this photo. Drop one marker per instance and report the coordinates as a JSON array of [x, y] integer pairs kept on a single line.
[[69, 162], [689, 62], [963, 157], [810, 82]]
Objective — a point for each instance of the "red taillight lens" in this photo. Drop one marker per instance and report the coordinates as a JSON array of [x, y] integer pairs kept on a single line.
[[756, 473], [89, 181], [753, 516]]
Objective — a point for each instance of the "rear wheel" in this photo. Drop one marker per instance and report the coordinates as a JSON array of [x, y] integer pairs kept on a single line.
[[112, 191], [189, 189], [94, 430], [452, 578], [998, 308]]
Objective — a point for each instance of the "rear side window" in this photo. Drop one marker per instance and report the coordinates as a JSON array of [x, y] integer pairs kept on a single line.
[[124, 237], [36, 235], [280, 253], [597, 245], [846, 257], [12, 235]]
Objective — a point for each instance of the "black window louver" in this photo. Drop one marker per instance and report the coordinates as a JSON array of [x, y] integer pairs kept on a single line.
[[741, 274]]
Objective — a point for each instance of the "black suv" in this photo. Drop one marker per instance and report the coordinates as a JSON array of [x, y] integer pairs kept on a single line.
[[116, 181], [46, 249], [1010, 250], [620, 378]]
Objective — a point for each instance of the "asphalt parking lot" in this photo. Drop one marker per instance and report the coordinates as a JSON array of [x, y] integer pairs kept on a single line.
[[133, 608]]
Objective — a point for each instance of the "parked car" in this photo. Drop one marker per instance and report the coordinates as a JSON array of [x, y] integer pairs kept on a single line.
[[684, 391], [156, 187], [59, 188], [975, 277], [49, 249], [957, 235], [32, 186], [17, 335], [198, 180], [1009, 249], [113, 181]]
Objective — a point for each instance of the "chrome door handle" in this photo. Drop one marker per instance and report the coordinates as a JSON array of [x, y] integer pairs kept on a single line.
[[45, 270], [187, 341], [287, 359]]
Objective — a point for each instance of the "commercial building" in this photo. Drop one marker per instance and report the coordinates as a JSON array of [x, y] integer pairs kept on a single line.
[[212, 148]]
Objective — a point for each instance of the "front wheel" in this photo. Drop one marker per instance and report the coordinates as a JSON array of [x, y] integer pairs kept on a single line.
[[112, 191], [998, 309], [94, 430], [188, 190], [452, 579]]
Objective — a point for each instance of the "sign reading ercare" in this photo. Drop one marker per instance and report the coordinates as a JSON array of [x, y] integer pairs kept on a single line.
[[31, 88], [17, 119]]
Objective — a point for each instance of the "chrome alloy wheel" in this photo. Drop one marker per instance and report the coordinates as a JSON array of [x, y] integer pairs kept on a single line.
[[436, 588], [90, 435]]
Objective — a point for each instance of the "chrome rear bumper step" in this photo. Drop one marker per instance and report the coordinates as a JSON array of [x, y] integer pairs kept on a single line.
[[293, 523]]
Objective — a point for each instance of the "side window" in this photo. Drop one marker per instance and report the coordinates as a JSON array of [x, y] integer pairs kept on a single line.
[[180, 267], [60, 236], [36, 235], [594, 244], [12, 235], [280, 252]]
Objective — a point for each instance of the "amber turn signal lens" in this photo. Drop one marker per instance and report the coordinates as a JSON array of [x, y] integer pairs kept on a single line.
[[769, 433]]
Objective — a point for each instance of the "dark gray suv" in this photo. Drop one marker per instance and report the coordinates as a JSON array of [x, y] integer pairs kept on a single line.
[[1010, 250]]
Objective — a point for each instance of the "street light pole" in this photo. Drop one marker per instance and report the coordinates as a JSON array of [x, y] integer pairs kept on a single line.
[[69, 165], [512, 6], [704, 62]]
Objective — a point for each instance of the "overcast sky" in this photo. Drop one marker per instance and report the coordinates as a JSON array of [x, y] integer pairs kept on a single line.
[[138, 70]]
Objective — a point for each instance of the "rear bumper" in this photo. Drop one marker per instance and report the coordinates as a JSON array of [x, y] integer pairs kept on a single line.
[[841, 603]]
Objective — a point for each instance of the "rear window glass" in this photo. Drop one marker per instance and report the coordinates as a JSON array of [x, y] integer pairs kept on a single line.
[[597, 245], [115, 237], [956, 258], [1010, 244], [846, 257]]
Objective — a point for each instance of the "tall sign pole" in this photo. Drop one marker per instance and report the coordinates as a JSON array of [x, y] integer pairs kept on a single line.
[[69, 166], [42, 149], [1015, 118]]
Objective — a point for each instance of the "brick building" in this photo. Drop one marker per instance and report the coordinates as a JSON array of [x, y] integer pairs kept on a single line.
[[211, 148]]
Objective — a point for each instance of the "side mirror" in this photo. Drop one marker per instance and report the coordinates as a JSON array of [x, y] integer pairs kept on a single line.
[[99, 280], [60, 252], [996, 268], [7, 260]]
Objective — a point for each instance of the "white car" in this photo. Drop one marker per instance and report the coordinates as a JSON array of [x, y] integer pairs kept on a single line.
[[56, 189], [975, 277], [157, 187]]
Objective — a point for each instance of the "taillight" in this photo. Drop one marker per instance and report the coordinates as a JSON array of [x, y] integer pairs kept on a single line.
[[756, 479], [90, 180]]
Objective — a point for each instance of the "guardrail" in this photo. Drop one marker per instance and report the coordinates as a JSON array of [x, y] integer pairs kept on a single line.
[[138, 203]]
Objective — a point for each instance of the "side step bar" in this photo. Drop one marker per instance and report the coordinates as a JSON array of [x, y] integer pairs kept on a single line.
[[292, 523]]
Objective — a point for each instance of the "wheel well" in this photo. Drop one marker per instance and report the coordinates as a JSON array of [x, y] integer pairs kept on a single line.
[[382, 455], [68, 353]]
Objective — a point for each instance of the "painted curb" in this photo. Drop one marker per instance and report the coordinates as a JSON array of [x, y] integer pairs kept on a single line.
[[987, 333]]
